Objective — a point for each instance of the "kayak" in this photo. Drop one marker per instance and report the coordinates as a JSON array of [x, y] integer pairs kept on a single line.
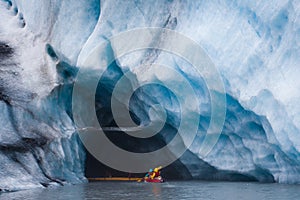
[[148, 180]]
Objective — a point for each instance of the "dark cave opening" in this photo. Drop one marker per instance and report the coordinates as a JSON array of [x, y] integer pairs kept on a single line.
[[96, 169]]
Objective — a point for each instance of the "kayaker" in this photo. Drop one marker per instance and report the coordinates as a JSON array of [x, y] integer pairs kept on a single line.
[[153, 176], [149, 174], [156, 172]]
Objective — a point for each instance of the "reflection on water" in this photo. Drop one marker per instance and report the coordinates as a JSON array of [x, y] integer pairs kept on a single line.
[[156, 189], [168, 190]]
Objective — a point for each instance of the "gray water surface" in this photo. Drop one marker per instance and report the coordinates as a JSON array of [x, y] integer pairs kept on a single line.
[[169, 190]]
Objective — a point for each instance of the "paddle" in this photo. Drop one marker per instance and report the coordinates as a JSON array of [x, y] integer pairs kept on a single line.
[[141, 179]]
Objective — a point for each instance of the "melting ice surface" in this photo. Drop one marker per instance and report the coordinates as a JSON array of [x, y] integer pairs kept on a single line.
[[255, 46]]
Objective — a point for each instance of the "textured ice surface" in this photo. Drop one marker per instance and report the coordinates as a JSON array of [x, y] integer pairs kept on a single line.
[[38, 143], [255, 46]]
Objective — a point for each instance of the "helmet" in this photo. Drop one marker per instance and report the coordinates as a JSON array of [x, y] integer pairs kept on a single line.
[[156, 170], [150, 170]]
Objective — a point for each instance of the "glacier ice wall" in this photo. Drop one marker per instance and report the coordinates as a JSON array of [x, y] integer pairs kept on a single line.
[[38, 143], [254, 45]]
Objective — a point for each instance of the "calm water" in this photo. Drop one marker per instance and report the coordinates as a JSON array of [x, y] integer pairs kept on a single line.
[[168, 190]]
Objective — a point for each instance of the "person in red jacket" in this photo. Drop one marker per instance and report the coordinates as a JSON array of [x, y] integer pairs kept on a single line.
[[156, 173]]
